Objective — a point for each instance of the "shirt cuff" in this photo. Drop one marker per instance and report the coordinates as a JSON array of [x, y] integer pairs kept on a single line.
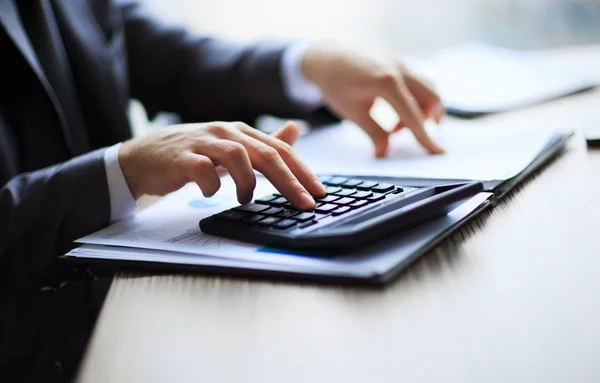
[[297, 87], [122, 203]]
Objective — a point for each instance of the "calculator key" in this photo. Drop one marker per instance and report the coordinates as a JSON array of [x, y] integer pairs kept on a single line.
[[351, 184], [265, 200], [287, 213], [284, 224], [279, 202], [328, 198], [336, 181], [251, 220], [320, 216], [332, 189], [288, 205], [325, 208], [341, 210], [232, 215], [345, 201], [358, 204], [367, 185], [307, 224], [362, 194], [266, 222], [304, 216], [272, 211], [252, 208], [383, 188], [345, 192], [325, 178], [376, 197]]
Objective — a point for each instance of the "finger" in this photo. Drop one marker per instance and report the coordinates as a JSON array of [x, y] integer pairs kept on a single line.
[[379, 136], [289, 133], [302, 172], [429, 101], [202, 171], [267, 160], [399, 97], [234, 157]]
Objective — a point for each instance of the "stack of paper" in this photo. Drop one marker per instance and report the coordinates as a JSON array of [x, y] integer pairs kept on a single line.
[[168, 233], [475, 78]]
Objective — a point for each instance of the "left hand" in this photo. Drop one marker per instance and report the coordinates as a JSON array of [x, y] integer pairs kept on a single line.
[[350, 82]]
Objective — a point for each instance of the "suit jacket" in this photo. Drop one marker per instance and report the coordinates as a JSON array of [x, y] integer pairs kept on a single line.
[[52, 175]]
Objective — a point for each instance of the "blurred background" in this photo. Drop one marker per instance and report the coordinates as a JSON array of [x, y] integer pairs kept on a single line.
[[394, 26]]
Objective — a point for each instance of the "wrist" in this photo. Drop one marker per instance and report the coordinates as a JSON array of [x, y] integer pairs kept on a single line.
[[125, 156]]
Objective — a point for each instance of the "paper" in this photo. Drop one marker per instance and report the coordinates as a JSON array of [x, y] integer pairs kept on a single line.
[[375, 260], [474, 151], [478, 78]]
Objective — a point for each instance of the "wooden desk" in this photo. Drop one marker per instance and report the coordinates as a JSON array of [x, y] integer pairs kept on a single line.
[[514, 297]]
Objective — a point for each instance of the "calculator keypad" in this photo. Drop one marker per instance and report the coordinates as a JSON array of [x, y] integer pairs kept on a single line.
[[344, 196]]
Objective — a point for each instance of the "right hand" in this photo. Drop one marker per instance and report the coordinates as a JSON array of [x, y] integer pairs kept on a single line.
[[166, 160]]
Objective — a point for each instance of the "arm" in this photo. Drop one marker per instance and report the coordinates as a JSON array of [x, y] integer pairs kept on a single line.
[[203, 79], [44, 211]]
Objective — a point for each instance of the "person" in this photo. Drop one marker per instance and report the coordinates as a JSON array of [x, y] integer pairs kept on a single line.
[[68, 163]]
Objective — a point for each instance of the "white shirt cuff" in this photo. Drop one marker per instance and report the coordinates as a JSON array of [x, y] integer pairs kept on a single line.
[[297, 87], [122, 203]]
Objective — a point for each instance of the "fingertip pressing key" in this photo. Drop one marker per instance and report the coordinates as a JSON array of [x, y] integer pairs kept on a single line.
[[306, 201]]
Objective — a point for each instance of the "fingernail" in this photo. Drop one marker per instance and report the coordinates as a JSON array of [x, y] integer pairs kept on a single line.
[[306, 200], [320, 188]]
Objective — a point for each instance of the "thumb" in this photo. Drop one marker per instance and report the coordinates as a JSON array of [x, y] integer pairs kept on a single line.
[[289, 133]]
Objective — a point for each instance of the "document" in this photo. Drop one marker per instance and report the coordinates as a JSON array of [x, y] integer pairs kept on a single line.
[[168, 232], [474, 78], [474, 151]]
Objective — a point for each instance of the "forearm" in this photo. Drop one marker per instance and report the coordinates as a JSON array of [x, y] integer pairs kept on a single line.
[[204, 79], [44, 211]]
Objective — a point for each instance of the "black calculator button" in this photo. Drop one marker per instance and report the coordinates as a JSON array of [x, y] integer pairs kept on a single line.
[[287, 213], [251, 220], [279, 202], [345, 201], [325, 208], [335, 181], [367, 185], [351, 184], [376, 197], [266, 222], [272, 211], [362, 194], [341, 210], [358, 204], [345, 192], [328, 198], [252, 208], [304, 216], [383, 188], [307, 224], [332, 189], [232, 215], [265, 200], [284, 224]]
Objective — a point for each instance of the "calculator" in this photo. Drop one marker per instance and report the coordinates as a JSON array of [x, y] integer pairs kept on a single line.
[[353, 213]]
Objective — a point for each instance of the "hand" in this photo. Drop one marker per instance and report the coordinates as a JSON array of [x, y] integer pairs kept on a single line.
[[350, 82], [164, 161]]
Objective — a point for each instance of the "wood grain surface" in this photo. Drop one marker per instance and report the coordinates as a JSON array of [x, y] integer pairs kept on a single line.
[[513, 297]]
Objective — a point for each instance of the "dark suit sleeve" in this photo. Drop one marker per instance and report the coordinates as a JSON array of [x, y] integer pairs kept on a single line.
[[204, 79], [43, 212]]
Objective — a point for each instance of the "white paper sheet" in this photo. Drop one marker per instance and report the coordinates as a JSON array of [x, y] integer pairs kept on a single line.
[[479, 78], [474, 151]]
